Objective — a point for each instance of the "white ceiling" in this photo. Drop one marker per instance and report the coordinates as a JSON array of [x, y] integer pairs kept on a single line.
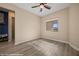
[[54, 7]]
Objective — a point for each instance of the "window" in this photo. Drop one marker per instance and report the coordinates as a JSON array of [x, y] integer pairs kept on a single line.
[[55, 25], [52, 25]]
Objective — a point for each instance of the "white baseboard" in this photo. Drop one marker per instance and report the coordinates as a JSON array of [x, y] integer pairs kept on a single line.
[[74, 47], [25, 41], [58, 40]]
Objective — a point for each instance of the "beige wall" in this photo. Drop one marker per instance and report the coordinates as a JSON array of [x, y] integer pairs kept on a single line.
[[62, 34], [27, 25], [74, 26]]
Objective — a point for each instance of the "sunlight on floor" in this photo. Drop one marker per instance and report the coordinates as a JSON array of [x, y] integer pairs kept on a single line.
[[46, 47]]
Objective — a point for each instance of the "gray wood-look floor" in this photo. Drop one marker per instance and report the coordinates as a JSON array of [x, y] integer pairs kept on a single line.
[[38, 47]]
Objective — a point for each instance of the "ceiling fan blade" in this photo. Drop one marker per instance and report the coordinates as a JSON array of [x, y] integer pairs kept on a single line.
[[44, 3], [46, 6], [41, 9], [35, 6]]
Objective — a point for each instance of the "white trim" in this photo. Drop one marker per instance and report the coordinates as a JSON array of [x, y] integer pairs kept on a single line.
[[51, 19], [70, 44], [58, 40], [74, 47]]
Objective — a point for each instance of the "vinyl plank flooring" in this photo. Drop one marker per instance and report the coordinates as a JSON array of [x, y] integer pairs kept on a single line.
[[39, 47]]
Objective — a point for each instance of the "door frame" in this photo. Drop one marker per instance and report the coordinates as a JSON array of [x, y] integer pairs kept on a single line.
[[10, 25]]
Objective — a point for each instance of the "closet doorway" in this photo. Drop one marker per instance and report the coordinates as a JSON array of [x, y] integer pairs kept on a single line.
[[11, 25]]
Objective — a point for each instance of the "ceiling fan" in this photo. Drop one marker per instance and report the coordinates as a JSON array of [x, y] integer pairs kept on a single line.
[[42, 5]]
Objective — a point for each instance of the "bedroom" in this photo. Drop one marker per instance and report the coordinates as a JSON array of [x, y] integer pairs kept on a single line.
[[43, 33]]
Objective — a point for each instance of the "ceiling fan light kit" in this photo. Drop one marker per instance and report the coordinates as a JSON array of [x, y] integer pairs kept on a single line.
[[41, 6]]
